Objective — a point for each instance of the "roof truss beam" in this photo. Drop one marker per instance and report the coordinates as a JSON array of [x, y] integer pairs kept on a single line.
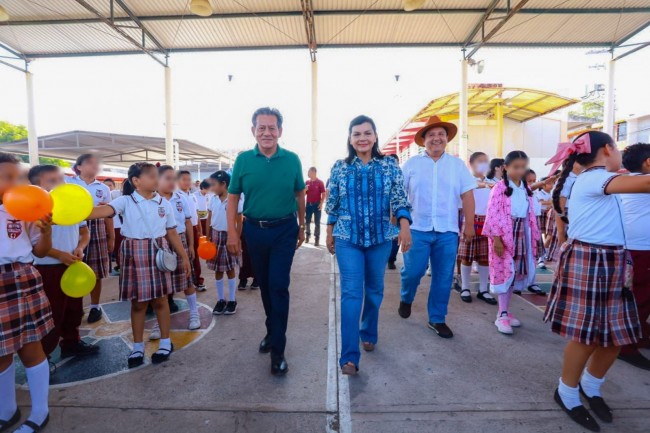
[[310, 29], [480, 25]]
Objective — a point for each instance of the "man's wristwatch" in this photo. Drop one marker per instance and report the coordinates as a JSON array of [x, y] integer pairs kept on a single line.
[[302, 226]]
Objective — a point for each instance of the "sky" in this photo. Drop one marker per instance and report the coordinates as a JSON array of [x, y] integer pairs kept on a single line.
[[125, 94]]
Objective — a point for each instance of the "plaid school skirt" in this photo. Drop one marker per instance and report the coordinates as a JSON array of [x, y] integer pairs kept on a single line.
[[553, 252], [477, 249], [541, 223], [223, 261], [521, 249], [25, 315], [542, 220], [140, 278], [588, 303], [181, 280], [97, 254]]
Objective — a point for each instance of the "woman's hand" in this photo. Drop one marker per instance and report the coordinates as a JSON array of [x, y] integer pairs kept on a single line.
[[329, 241], [498, 246], [404, 239]]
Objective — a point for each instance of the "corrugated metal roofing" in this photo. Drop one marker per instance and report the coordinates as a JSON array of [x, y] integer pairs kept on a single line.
[[53, 28]]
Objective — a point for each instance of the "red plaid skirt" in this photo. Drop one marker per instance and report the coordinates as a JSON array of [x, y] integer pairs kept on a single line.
[[542, 220], [25, 315], [521, 249], [181, 281], [140, 278], [97, 254], [223, 261], [551, 230], [477, 249], [541, 223], [588, 303]]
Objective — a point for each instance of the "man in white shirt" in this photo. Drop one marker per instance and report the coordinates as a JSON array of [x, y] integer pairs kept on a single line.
[[435, 182]]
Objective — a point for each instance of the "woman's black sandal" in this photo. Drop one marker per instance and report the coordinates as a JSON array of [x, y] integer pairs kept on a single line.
[[7, 424], [158, 357], [136, 361], [36, 427], [579, 414], [466, 297], [599, 407], [482, 297]]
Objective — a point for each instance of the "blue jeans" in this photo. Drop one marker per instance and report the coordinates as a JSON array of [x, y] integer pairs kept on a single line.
[[440, 250], [393, 251], [362, 284], [311, 210]]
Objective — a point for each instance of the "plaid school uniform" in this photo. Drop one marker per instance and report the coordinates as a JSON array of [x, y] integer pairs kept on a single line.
[[588, 302], [97, 254], [551, 230], [181, 280], [521, 250], [25, 315], [477, 249], [542, 221], [224, 261], [140, 278]]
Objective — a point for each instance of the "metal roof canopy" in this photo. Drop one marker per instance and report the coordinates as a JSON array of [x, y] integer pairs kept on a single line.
[[119, 149], [59, 28]]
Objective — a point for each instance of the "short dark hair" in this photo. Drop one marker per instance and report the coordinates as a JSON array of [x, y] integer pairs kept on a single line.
[[475, 155], [9, 158], [35, 172], [221, 177], [634, 156], [108, 179], [181, 173], [204, 184], [268, 111], [312, 169], [164, 168]]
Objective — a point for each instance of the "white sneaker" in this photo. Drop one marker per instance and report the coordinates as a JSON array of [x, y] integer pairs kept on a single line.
[[503, 325], [514, 322], [429, 271], [195, 322], [155, 332], [541, 265], [201, 288]]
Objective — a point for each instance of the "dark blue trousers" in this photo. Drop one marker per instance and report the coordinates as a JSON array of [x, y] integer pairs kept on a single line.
[[271, 251]]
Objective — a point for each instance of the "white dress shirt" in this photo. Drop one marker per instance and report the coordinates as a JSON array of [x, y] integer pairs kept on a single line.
[[117, 223], [191, 201], [64, 238], [219, 221], [636, 219], [98, 190], [158, 216], [181, 206], [434, 189], [481, 197], [518, 201], [17, 239]]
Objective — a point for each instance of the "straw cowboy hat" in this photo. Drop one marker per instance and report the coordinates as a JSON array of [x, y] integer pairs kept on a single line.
[[433, 122]]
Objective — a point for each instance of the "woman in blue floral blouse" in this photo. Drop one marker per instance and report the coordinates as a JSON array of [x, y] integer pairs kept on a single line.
[[365, 189]]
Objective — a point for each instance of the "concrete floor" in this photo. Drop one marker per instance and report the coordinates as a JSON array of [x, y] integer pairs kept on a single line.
[[414, 382]]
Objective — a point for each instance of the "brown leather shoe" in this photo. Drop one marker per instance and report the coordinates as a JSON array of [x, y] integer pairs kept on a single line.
[[368, 347], [349, 369]]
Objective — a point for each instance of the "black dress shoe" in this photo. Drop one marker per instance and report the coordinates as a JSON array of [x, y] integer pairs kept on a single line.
[[404, 310], [265, 345], [466, 296], [391, 266], [5, 425], [441, 329], [173, 306], [279, 366], [579, 414], [36, 427], [94, 315], [80, 349], [482, 297], [636, 360], [599, 407]]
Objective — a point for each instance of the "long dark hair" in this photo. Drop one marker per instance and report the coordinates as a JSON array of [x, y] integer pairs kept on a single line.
[[510, 158], [494, 164], [80, 160], [598, 140], [359, 120], [136, 170]]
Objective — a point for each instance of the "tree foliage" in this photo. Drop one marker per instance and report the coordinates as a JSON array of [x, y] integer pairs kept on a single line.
[[10, 132], [591, 110]]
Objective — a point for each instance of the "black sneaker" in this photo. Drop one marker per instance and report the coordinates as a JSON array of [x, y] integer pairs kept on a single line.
[[220, 308], [94, 315], [255, 285], [441, 329], [242, 284], [317, 242], [306, 239], [80, 349], [391, 266], [231, 308], [173, 306], [404, 310]]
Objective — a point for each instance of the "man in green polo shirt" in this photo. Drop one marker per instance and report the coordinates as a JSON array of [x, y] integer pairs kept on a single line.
[[274, 209]]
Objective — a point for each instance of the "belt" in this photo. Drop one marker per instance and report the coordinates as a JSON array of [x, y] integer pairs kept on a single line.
[[270, 223]]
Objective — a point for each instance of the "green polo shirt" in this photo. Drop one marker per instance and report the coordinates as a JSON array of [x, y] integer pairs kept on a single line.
[[268, 184]]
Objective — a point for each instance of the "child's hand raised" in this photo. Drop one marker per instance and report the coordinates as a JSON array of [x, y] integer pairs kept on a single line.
[[45, 224]]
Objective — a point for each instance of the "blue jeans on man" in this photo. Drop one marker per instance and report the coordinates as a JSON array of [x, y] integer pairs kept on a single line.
[[312, 210], [362, 271], [440, 250], [271, 251]]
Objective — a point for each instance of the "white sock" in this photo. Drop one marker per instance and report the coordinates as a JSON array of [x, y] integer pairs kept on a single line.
[[94, 306], [590, 384], [465, 276], [570, 396], [483, 277], [165, 343], [38, 379], [8, 392], [139, 347], [232, 289], [191, 302], [220, 294]]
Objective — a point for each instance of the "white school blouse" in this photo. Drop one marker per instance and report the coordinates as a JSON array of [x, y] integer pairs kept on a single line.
[[518, 200], [64, 238], [541, 195], [117, 223], [181, 208], [636, 220], [481, 196], [191, 201], [219, 221], [99, 191], [158, 216], [596, 217], [202, 202], [434, 189], [17, 238]]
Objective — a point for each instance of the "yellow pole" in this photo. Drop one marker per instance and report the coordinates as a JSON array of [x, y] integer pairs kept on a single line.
[[498, 115]]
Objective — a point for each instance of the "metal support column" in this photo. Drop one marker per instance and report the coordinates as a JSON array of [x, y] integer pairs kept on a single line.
[[32, 137], [462, 110], [314, 113], [498, 116], [608, 118], [170, 158]]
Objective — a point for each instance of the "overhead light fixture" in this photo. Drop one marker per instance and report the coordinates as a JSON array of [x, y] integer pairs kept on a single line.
[[411, 5], [4, 16], [201, 8], [480, 64]]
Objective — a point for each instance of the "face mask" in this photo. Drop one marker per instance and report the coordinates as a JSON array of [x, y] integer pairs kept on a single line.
[[482, 167]]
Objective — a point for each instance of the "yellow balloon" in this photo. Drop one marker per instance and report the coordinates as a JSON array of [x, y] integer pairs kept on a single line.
[[72, 204], [78, 280]]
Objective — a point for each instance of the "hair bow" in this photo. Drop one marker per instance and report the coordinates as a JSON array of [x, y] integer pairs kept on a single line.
[[580, 145]]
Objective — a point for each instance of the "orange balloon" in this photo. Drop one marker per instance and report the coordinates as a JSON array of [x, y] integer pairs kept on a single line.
[[28, 202], [207, 250], [203, 239]]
